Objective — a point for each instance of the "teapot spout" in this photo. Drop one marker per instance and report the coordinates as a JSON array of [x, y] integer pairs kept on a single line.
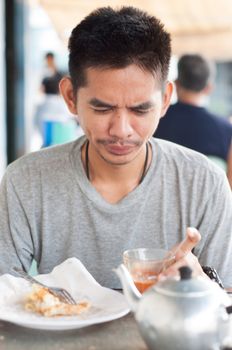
[[130, 291]]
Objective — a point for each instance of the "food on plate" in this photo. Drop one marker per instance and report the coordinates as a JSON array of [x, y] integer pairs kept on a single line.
[[42, 301]]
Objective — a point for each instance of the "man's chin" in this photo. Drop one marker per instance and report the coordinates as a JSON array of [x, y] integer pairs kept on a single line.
[[118, 155], [117, 161]]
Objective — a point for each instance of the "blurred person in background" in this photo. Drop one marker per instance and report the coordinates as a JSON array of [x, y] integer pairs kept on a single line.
[[189, 123], [52, 118], [51, 75], [51, 68]]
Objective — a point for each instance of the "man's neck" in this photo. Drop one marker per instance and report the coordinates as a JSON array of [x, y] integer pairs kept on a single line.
[[191, 98], [114, 182]]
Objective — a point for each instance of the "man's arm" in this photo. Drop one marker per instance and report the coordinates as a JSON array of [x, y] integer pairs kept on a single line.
[[215, 248], [16, 245], [229, 166]]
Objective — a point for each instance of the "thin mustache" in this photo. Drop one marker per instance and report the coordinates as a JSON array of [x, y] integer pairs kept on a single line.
[[121, 143]]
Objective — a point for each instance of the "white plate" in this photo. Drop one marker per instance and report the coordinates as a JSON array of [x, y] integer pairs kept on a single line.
[[106, 304]]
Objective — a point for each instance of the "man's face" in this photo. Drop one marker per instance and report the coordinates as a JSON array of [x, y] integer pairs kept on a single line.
[[119, 110]]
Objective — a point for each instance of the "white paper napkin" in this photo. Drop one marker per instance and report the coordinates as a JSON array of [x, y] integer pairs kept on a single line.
[[106, 304]]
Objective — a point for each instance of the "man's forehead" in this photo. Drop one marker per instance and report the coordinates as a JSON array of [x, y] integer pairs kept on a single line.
[[120, 90], [107, 70]]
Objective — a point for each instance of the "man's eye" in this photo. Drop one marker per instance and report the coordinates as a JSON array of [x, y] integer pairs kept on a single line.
[[141, 111], [102, 110]]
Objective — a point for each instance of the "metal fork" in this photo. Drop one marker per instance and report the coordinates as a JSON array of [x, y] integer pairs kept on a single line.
[[60, 293]]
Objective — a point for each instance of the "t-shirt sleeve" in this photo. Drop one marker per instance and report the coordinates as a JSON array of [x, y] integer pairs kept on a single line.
[[215, 249], [16, 248]]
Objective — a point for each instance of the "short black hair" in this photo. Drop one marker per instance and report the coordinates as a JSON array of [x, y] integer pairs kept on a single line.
[[111, 38], [49, 54], [194, 72]]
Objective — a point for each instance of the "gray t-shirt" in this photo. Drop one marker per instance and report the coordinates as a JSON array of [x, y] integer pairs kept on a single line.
[[50, 211]]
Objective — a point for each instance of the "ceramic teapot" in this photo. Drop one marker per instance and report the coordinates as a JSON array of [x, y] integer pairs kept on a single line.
[[184, 314]]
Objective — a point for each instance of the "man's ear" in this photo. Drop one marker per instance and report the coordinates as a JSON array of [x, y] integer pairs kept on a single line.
[[167, 97], [66, 90]]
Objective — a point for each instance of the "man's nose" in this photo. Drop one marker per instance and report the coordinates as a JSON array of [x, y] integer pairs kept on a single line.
[[120, 125]]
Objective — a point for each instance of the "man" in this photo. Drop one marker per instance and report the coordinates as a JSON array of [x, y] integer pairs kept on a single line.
[[188, 123], [50, 64], [55, 124], [117, 188], [52, 75]]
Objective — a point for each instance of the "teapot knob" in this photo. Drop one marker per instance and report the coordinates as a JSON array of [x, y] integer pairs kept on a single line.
[[185, 273]]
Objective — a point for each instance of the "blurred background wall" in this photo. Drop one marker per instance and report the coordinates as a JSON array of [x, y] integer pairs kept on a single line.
[[31, 28], [2, 91]]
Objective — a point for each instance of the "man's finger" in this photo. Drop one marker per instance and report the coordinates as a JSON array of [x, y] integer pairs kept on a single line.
[[192, 238]]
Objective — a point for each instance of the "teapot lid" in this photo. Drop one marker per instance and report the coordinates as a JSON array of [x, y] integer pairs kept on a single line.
[[187, 286]]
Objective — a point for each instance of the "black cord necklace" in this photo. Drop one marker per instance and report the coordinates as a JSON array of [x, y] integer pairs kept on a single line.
[[87, 162]]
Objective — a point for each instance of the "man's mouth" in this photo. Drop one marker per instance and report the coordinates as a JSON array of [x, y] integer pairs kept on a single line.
[[120, 147], [119, 150]]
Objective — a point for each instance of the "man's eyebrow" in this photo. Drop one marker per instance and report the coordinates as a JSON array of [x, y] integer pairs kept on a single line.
[[144, 105], [95, 102]]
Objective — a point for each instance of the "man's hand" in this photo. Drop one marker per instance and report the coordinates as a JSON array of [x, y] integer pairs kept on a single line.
[[184, 256]]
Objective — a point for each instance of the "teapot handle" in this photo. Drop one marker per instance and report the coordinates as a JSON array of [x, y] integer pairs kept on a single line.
[[229, 309]]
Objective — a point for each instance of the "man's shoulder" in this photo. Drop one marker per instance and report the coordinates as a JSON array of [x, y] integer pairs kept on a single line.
[[174, 109], [179, 106], [186, 160], [45, 158], [182, 112], [222, 122]]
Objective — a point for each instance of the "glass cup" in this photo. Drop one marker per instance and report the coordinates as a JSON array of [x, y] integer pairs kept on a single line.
[[145, 264]]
